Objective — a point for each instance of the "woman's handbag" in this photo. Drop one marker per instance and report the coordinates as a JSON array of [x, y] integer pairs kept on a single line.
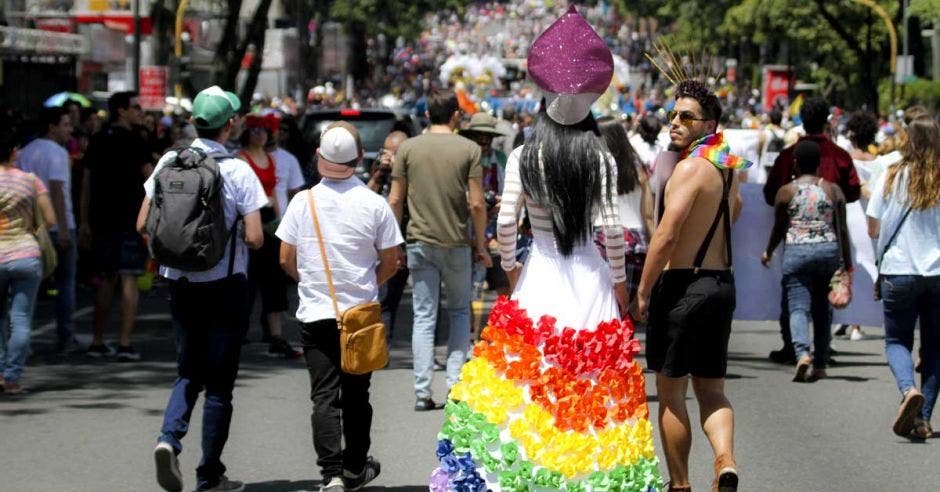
[[50, 257], [362, 344], [840, 285]]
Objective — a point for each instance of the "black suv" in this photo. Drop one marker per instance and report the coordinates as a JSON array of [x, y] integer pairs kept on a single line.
[[373, 125]]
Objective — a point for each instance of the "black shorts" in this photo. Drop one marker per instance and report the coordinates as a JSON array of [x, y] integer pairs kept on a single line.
[[121, 253], [496, 278], [690, 323]]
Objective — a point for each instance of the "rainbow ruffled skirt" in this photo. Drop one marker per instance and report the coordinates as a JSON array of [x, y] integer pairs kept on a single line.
[[545, 409]]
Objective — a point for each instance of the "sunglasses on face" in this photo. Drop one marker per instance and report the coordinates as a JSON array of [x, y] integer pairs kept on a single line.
[[685, 117]]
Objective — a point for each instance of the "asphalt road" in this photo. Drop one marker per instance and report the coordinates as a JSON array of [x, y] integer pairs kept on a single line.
[[90, 425]]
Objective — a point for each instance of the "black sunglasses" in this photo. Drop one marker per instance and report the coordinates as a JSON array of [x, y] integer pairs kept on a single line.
[[685, 117]]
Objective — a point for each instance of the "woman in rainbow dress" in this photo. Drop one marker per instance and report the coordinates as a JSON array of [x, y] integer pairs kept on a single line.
[[553, 398]]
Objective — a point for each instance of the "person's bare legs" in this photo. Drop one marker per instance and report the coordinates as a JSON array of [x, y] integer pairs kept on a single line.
[[103, 299], [130, 297], [716, 414], [674, 427]]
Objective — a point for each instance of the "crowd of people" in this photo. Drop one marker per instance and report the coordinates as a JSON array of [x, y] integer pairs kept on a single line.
[[228, 205]]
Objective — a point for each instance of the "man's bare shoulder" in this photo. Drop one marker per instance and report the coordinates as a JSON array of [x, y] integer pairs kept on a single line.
[[691, 171]]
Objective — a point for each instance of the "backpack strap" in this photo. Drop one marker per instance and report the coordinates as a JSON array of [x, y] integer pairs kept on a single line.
[[232, 237], [723, 211]]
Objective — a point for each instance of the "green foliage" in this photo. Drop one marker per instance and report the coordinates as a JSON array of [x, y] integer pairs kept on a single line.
[[792, 32], [391, 17], [921, 91], [927, 10]]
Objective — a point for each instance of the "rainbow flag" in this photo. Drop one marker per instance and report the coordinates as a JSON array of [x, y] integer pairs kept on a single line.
[[540, 408], [716, 150]]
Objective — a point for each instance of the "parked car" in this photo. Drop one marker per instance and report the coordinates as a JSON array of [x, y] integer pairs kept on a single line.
[[373, 125]]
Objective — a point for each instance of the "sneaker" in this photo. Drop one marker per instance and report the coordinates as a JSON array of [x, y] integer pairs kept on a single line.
[[168, 468], [438, 366], [426, 404], [226, 485], [802, 369], [840, 331], [127, 354], [335, 484], [356, 481], [99, 351], [910, 408], [280, 347], [856, 334], [726, 474], [816, 375]]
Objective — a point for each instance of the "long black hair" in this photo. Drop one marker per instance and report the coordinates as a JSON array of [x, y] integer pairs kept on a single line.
[[568, 181], [619, 146]]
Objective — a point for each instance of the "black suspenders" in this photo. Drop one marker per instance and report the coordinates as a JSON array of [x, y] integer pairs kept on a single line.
[[724, 210]]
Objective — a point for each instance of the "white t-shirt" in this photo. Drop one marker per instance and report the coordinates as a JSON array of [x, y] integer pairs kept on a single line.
[[289, 176], [916, 249], [647, 152], [356, 224], [50, 161], [242, 194]]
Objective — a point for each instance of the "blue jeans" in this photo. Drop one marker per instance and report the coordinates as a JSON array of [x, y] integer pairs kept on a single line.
[[211, 319], [907, 298], [65, 285], [807, 269], [429, 266], [19, 283]]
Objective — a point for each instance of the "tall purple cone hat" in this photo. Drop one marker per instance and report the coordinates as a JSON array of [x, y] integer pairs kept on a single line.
[[572, 66]]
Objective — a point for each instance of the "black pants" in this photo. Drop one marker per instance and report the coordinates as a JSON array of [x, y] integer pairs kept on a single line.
[[341, 408], [266, 276]]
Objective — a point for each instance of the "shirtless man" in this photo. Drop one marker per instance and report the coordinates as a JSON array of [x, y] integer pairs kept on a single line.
[[688, 274]]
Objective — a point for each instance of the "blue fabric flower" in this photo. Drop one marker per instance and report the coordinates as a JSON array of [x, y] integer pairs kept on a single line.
[[444, 447], [450, 463]]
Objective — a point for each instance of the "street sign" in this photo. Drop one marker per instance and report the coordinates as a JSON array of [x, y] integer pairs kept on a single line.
[[153, 86]]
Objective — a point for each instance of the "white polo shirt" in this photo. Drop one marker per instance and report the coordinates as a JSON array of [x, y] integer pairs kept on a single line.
[[356, 223]]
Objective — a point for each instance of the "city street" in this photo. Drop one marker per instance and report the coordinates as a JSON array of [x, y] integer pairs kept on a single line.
[[90, 425]]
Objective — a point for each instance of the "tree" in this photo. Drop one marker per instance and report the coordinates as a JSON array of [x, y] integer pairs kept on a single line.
[[836, 43]]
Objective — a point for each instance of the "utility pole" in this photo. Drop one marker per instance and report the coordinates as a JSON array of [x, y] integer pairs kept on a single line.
[[178, 49], [135, 76]]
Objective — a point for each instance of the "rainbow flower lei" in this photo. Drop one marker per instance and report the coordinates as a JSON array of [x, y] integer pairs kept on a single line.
[[716, 150], [548, 408]]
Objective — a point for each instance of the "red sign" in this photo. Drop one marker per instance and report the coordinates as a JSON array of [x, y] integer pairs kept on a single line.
[[777, 82], [153, 87], [119, 21]]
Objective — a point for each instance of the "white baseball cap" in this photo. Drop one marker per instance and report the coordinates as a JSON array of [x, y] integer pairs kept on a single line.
[[338, 154]]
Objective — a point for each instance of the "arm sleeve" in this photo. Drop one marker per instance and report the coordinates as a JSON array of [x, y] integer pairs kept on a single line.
[[287, 229], [59, 166], [150, 184], [399, 169], [476, 169], [38, 184], [848, 179], [387, 233], [876, 202], [249, 194], [507, 221], [613, 226]]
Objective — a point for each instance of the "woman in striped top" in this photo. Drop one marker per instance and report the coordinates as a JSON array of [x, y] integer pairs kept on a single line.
[[565, 178], [20, 260]]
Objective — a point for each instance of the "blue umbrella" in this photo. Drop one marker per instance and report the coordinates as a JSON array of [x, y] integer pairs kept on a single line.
[[60, 99]]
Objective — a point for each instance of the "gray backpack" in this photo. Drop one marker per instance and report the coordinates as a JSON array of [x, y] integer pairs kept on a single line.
[[186, 221]]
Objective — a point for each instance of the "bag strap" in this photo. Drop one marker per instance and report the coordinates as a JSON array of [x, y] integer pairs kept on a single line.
[[893, 236], [232, 235], [326, 264], [723, 211]]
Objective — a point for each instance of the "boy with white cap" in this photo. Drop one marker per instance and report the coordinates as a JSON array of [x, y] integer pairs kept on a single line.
[[361, 239], [210, 307]]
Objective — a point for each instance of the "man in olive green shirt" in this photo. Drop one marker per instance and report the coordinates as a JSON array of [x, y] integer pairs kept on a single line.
[[440, 174]]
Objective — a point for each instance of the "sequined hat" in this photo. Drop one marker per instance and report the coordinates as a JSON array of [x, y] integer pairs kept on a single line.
[[572, 66]]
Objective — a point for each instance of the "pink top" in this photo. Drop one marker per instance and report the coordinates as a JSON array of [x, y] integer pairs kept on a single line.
[[18, 193]]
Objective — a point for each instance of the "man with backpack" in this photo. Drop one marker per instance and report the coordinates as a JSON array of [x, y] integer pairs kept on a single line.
[[199, 214]]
